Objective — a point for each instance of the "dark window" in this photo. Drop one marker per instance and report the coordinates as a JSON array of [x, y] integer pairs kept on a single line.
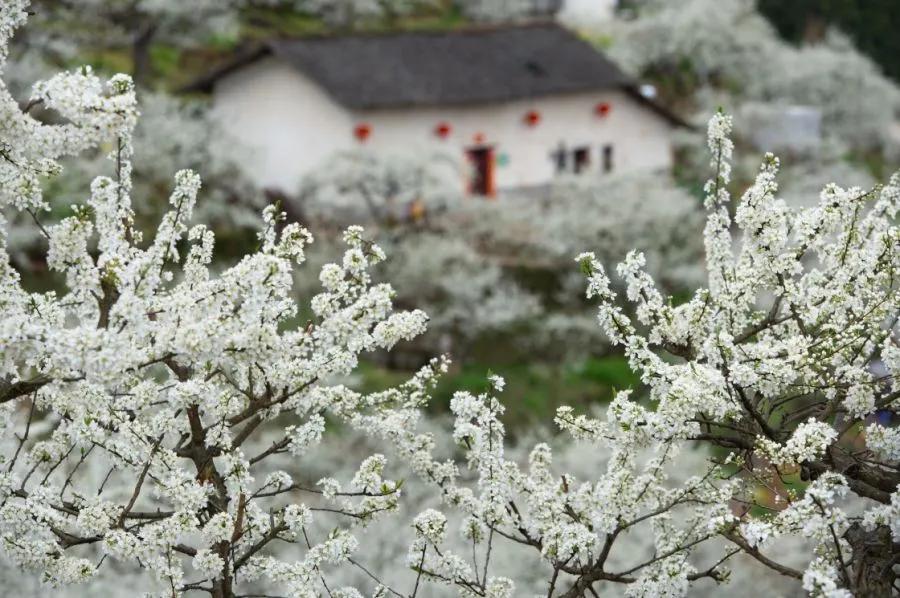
[[481, 159], [581, 159], [560, 158], [607, 162]]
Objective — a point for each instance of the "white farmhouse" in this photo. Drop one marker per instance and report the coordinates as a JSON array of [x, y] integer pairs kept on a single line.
[[524, 103], [587, 13]]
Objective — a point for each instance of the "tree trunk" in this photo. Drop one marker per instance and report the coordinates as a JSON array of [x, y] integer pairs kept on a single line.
[[871, 568], [142, 67], [222, 589]]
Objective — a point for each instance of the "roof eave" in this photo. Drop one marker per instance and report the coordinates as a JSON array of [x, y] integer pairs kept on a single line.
[[628, 87], [472, 102], [207, 82], [661, 110]]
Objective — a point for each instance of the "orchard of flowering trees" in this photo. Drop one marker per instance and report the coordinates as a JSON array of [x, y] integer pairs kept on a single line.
[[159, 416], [459, 260], [725, 48]]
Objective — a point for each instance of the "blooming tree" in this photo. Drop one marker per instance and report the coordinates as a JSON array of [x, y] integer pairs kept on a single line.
[[791, 348], [165, 374], [172, 133], [187, 389]]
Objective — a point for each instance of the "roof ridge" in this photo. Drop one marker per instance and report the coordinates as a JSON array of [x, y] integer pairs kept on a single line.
[[468, 29]]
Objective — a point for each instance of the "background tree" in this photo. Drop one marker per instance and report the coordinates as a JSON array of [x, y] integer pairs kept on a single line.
[[776, 363], [133, 24], [871, 25], [170, 372], [407, 202], [705, 53]]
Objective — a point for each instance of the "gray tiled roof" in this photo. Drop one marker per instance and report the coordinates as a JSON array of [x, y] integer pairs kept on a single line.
[[458, 67], [436, 68]]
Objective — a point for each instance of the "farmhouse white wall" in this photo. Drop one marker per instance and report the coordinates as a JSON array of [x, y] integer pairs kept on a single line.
[[584, 13], [639, 137], [292, 125], [287, 121]]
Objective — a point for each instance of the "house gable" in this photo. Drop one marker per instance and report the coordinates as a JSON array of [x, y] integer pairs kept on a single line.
[[285, 119]]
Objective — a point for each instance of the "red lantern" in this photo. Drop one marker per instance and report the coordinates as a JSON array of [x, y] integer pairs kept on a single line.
[[362, 131], [602, 109], [442, 130], [532, 118]]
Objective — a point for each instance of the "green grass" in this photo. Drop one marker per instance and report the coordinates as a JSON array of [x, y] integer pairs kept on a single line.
[[533, 391], [166, 60], [261, 22], [610, 371], [105, 61], [872, 161]]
